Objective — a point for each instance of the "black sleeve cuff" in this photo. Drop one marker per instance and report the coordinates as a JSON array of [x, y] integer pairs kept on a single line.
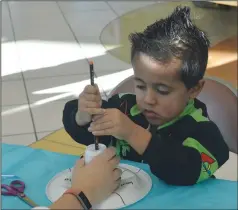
[[74, 122], [152, 149]]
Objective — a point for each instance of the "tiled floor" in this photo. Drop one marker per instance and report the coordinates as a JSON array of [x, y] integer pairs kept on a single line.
[[46, 46], [45, 52]]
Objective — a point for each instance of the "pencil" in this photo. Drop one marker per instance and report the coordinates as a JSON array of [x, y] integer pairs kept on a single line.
[[91, 72], [91, 67]]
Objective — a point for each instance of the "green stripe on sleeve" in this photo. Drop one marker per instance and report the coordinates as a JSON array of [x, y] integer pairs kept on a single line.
[[135, 110], [209, 163]]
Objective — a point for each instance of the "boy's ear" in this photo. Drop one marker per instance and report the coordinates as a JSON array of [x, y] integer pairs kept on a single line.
[[194, 92]]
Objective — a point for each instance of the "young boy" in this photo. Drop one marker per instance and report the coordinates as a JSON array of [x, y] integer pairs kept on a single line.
[[163, 124]]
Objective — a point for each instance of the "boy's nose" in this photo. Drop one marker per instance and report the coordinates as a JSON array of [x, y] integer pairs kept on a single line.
[[150, 97]]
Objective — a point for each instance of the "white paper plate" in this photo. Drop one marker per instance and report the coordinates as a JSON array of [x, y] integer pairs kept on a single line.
[[135, 185]]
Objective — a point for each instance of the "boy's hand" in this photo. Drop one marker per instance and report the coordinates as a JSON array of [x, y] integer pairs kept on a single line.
[[89, 103], [90, 100], [113, 122]]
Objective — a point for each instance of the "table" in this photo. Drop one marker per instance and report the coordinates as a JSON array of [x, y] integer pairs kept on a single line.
[[222, 61], [36, 168], [228, 3]]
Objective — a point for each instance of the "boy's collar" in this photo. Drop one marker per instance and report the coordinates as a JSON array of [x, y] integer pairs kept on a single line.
[[188, 110]]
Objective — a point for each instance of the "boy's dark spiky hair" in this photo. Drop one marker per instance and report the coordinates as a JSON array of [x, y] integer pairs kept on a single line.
[[175, 36]]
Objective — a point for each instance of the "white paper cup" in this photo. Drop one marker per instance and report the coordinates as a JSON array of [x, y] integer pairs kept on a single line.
[[90, 152]]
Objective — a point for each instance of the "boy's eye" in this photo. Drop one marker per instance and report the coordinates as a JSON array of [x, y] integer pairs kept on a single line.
[[162, 89], [163, 92], [142, 87]]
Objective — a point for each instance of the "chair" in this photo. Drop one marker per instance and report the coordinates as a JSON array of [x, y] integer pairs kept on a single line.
[[221, 105], [126, 86]]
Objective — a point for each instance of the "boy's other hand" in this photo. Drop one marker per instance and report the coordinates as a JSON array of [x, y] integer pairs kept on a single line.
[[112, 122]]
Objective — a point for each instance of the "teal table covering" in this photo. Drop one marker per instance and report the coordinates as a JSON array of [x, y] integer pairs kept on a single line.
[[36, 167]]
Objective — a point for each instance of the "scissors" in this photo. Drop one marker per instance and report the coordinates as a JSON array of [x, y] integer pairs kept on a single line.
[[16, 188]]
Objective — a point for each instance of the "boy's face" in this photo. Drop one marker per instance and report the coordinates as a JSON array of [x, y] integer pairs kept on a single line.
[[160, 93]]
